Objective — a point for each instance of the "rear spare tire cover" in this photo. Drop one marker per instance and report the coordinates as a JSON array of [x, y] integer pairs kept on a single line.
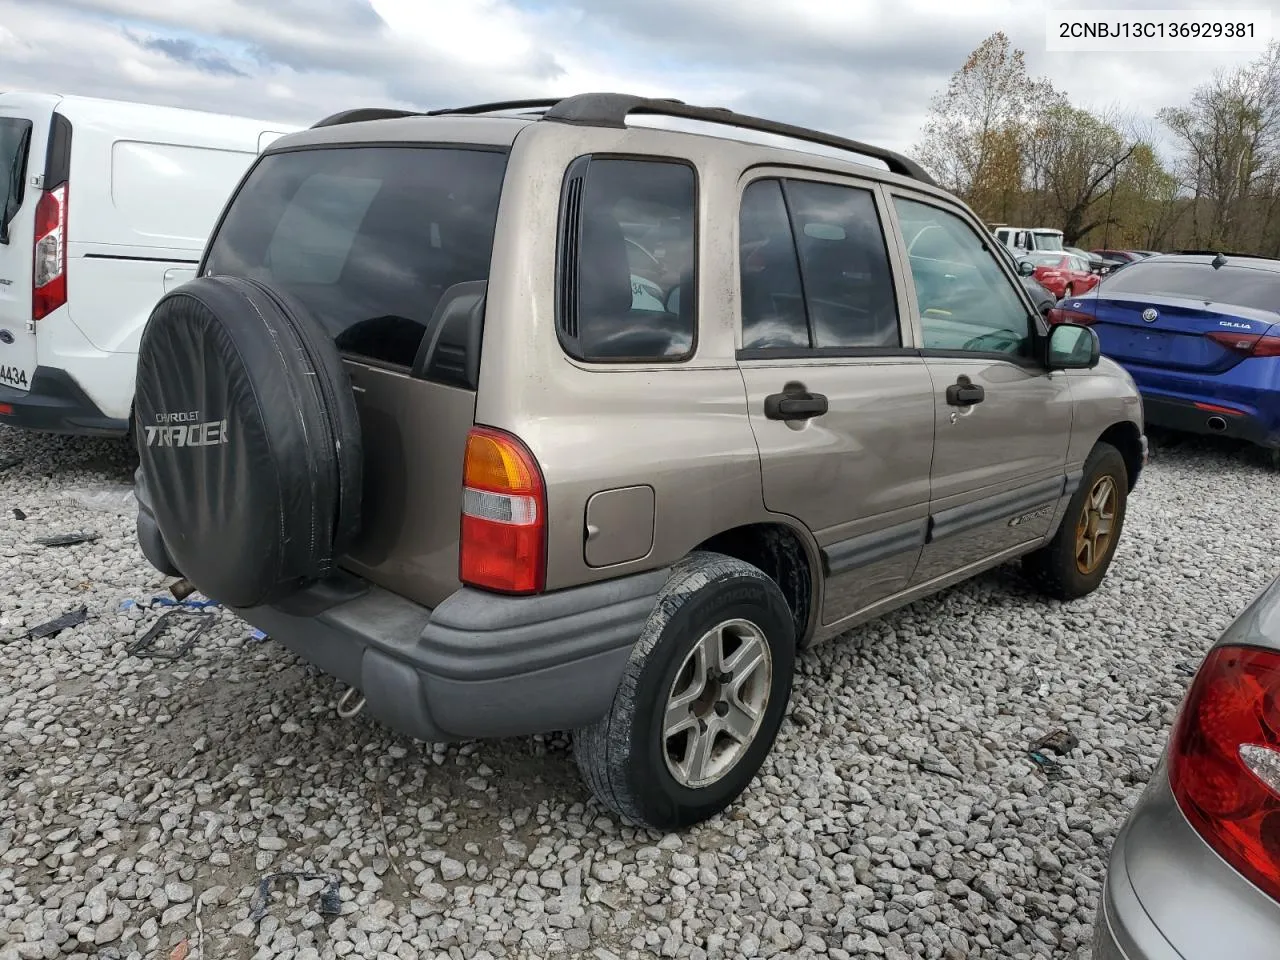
[[248, 440]]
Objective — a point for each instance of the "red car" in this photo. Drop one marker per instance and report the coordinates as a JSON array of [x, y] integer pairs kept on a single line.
[[1062, 274]]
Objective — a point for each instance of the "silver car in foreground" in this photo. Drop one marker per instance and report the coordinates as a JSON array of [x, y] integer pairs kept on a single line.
[[1195, 871]]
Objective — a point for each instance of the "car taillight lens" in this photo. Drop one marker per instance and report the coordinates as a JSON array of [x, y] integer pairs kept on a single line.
[[1249, 344], [504, 521], [1224, 760], [1066, 315], [49, 279]]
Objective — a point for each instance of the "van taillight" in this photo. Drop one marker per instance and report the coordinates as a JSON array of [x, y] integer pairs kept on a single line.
[[1224, 760], [49, 279], [504, 515]]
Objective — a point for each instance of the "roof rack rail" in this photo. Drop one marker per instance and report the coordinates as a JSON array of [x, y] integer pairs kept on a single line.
[[360, 114], [612, 110], [541, 103]]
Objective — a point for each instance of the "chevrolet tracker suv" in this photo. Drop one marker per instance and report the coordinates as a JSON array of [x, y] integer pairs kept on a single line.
[[524, 418]]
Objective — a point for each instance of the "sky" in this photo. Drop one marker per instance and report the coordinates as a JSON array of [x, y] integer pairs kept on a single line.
[[862, 68]]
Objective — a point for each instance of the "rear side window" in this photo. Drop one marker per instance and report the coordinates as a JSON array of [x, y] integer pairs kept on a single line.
[[848, 283], [1239, 286], [367, 238], [814, 269], [15, 145], [773, 310], [626, 286]]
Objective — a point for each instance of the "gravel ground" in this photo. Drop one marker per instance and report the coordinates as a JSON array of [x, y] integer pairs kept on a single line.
[[141, 800]]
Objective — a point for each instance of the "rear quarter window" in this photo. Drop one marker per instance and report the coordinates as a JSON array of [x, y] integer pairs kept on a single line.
[[367, 238], [1242, 286], [627, 253]]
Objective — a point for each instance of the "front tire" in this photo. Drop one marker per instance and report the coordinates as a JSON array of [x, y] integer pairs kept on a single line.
[[1074, 562], [700, 701]]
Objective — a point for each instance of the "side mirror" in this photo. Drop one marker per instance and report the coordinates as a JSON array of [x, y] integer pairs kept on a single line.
[[1026, 268], [1073, 346]]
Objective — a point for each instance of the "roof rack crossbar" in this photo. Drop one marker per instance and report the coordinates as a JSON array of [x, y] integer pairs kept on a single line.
[[612, 110], [360, 114]]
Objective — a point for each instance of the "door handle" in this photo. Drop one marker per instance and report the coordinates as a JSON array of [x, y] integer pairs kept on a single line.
[[794, 406], [964, 393]]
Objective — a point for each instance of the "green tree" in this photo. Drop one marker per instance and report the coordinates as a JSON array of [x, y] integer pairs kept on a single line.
[[1075, 157], [1145, 206]]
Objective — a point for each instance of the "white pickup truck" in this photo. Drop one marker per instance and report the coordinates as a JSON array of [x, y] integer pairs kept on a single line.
[[1029, 238]]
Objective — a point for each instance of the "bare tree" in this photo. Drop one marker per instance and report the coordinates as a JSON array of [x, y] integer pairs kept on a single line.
[[1230, 138], [1015, 149], [974, 138]]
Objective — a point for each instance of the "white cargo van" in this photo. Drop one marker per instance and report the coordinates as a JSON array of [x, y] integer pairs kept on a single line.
[[103, 206]]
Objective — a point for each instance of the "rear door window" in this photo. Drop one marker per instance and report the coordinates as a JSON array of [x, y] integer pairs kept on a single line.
[[773, 310], [15, 146], [844, 262], [367, 238], [626, 288], [814, 269]]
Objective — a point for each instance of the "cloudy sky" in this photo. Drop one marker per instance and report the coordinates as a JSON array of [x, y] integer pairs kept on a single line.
[[864, 68]]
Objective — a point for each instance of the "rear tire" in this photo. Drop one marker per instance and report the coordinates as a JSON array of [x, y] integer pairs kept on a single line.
[[1075, 561], [664, 756]]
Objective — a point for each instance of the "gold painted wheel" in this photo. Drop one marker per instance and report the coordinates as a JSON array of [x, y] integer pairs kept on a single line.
[[1095, 524]]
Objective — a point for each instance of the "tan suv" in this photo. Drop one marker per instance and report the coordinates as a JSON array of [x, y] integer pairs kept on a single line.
[[522, 418]]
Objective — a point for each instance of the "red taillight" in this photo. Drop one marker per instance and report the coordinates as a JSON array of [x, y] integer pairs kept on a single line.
[[1266, 347], [1218, 408], [504, 515], [49, 279], [1058, 315], [1224, 760], [1249, 344]]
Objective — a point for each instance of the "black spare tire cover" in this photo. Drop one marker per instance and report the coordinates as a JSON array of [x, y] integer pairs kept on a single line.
[[248, 440]]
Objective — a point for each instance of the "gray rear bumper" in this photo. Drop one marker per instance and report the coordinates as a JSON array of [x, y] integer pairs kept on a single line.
[[479, 664], [1169, 896]]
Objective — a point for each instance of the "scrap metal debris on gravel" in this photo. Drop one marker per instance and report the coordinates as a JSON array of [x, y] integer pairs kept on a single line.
[[330, 903], [142, 801], [51, 628], [67, 539]]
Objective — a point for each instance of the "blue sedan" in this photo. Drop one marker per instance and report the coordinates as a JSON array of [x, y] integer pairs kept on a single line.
[[1200, 335]]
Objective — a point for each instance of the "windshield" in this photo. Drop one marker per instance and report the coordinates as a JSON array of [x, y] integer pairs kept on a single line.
[[367, 238], [1047, 241], [15, 140], [1240, 286]]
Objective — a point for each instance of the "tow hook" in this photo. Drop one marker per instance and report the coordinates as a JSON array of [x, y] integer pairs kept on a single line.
[[351, 703]]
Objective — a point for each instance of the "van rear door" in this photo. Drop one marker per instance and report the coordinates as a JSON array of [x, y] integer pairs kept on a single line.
[[24, 133]]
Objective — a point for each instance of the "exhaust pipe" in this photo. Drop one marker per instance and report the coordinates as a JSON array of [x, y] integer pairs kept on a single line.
[[1216, 424]]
